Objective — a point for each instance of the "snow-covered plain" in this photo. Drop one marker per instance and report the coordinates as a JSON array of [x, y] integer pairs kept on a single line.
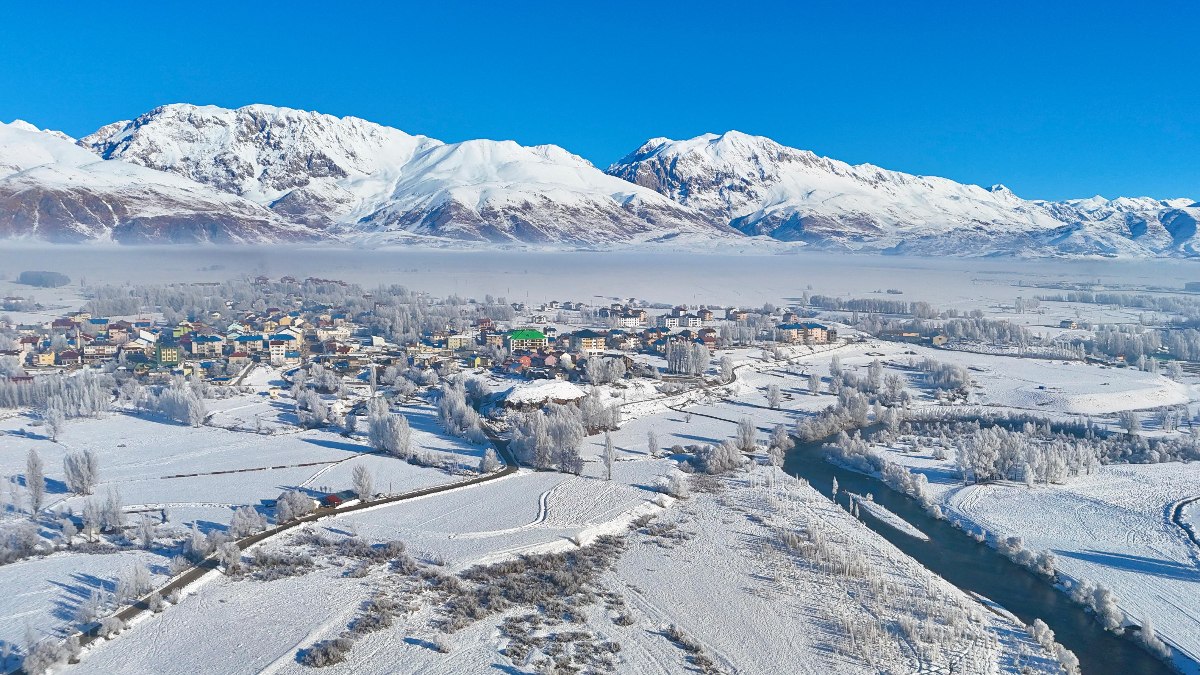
[[1113, 527], [536, 511]]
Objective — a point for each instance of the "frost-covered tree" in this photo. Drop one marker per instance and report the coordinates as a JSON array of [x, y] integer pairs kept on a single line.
[[603, 369], [686, 358], [835, 367], [292, 504], [388, 432], [458, 418], [363, 482], [814, 384], [610, 456], [81, 469], [596, 415], [146, 532], [1150, 640], [747, 433], [54, 419], [727, 370], [180, 401], [652, 443], [489, 462], [1128, 420], [566, 431], [246, 521], [35, 481], [531, 441], [1104, 603], [112, 515], [719, 458], [230, 556], [774, 397]]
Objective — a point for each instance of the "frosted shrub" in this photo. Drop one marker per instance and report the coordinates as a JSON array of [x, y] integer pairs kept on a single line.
[[327, 652]]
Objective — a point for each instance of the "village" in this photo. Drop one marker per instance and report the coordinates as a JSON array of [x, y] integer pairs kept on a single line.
[[549, 341]]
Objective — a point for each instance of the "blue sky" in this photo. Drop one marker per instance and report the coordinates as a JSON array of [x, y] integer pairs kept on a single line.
[[1055, 100]]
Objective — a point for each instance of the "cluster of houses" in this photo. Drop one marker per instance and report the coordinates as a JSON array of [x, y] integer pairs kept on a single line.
[[274, 336], [221, 347]]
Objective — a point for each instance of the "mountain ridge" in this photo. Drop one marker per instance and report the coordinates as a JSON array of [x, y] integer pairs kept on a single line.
[[261, 173]]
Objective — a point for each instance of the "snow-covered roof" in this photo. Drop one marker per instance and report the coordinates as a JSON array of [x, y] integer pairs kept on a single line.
[[540, 391]]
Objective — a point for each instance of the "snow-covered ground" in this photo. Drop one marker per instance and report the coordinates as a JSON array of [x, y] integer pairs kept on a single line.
[[1113, 527], [198, 475], [742, 590]]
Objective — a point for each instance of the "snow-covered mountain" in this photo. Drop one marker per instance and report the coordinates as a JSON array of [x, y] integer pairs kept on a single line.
[[366, 180], [185, 173], [53, 190], [763, 188]]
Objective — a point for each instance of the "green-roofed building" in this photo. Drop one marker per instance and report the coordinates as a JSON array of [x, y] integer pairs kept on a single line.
[[526, 340]]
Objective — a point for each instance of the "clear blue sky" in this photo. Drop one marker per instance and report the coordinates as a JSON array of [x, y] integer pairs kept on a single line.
[[1053, 99]]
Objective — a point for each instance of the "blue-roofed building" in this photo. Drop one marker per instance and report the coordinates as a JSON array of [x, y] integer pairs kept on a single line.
[[809, 333]]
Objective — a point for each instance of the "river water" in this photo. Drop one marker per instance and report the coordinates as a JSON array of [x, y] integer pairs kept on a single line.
[[975, 567]]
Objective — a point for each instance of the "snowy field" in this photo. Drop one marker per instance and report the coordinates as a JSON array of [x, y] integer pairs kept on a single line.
[[736, 578], [1113, 527], [198, 475]]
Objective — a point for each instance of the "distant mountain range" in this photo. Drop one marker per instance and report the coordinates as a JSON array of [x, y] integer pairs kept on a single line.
[[261, 174]]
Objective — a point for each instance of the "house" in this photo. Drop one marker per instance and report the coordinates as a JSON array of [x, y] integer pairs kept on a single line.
[[1069, 325], [526, 340], [588, 341], [99, 350], [690, 321], [69, 357], [735, 314], [460, 341], [705, 314], [41, 359], [668, 321]]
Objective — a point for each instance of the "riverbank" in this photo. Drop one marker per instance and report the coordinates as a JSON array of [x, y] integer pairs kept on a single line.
[[977, 568]]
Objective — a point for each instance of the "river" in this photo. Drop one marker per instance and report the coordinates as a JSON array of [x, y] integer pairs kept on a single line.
[[978, 568]]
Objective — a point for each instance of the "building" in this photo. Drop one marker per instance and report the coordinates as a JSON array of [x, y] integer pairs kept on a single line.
[[167, 355], [210, 346], [526, 340], [805, 333], [588, 341], [460, 341], [279, 345], [668, 321]]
